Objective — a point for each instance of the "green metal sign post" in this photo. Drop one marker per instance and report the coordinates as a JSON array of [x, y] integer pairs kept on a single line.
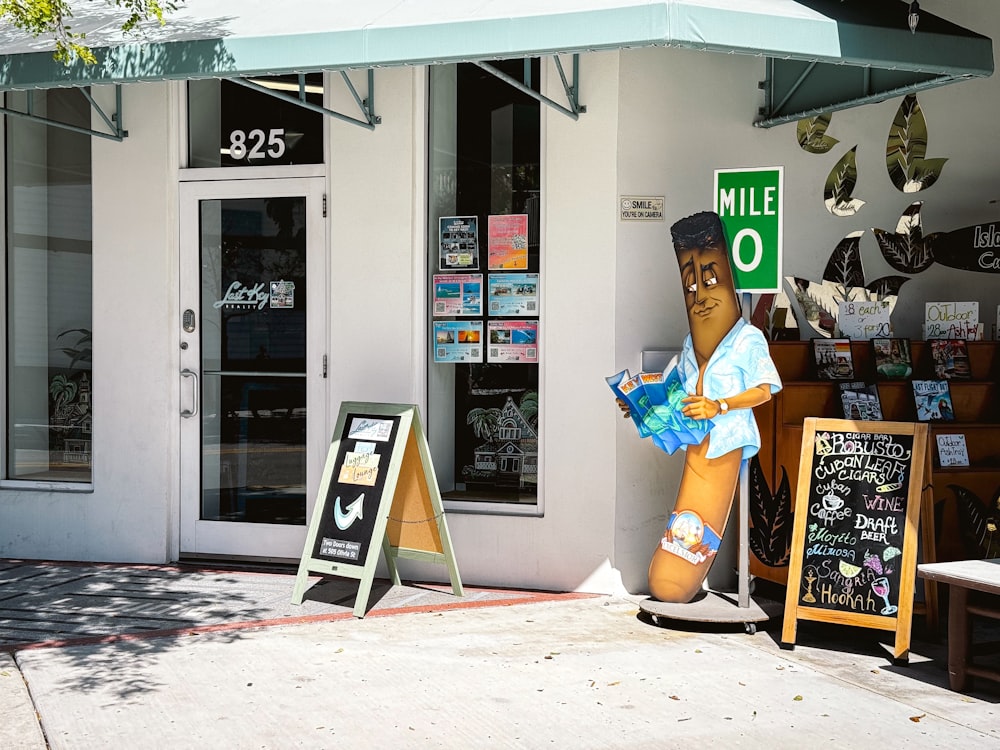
[[749, 203]]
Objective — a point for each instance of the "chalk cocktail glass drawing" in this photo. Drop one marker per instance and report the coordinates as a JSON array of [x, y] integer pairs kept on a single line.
[[881, 588]]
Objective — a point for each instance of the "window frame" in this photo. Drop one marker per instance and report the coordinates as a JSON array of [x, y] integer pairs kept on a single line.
[[472, 505], [6, 483]]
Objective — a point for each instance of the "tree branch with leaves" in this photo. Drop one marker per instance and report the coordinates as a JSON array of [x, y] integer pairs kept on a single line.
[[52, 18]]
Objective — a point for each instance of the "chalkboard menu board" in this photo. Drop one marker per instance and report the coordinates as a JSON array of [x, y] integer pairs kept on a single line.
[[854, 544], [378, 493]]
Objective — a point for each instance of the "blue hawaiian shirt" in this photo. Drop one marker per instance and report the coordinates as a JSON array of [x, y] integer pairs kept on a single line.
[[742, 360]]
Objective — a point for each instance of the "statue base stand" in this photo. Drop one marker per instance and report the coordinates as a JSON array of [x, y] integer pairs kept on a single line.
[[714, 607]]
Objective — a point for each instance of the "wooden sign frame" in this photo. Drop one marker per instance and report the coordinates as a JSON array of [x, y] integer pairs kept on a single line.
[[408, 519], [916, 507]]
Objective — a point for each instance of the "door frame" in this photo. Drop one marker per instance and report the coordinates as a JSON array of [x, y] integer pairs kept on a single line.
[[234, 539]]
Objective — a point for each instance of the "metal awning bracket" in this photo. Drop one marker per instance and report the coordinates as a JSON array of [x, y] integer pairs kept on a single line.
[[574, 110], [369, 121], [112, 121]]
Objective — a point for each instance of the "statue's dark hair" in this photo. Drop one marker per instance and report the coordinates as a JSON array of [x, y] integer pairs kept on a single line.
[[700, 230]]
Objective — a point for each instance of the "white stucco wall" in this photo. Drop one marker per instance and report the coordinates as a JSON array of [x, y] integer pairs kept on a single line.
[[376, 241], [127, 517]]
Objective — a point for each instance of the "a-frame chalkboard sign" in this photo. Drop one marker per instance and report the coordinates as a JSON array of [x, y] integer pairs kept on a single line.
[[857, 511], [378, 493]]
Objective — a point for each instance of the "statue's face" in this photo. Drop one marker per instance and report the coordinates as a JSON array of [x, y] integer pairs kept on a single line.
[[709, 293]]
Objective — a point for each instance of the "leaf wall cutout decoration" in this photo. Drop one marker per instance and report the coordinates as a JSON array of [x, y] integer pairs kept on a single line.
[[907, 249], [844, 266], [770, 534], [906, 147], [840, 184], [811, 134]]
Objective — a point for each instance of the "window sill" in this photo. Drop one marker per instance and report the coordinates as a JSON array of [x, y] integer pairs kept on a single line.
[[20, 485], [492, 504]]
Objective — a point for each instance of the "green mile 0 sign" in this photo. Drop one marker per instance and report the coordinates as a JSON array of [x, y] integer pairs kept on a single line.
[[749, 203]]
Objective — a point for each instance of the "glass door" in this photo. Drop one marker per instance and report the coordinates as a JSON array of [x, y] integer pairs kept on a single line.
[[252, 399]]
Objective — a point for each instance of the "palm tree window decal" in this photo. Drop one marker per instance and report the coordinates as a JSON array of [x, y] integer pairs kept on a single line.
[[507, 454]]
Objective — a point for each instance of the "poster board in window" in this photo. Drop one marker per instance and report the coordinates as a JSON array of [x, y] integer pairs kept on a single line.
[[854, 543], [378, 493]]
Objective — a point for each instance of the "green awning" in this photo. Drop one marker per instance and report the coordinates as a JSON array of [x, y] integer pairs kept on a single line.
[[868, 41]]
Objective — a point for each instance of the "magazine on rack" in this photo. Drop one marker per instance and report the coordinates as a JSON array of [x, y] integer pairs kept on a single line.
[[833, 358], [859, 400], [932, 399], [951, 359], [893, 360], [654, 401]]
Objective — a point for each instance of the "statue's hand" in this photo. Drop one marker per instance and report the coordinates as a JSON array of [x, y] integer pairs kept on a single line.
[[699, 407], [626, 412]]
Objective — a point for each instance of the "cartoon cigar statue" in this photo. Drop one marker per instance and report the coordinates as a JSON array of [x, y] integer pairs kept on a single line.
[[726, 368]]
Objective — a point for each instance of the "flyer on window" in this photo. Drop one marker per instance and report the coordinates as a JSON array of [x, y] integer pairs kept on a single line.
[[458, 240], [458, 341], [513, 293], [508, 242], [513, 341], [458, 294]]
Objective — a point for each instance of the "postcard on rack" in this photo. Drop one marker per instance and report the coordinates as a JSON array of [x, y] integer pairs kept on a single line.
[[950, 358], [859, 400], [952, 320], [507, 246], [458, 341], [893, 360], [952, 450], [458, 294], [833, 359], [932, 399], [458, 242], [513, 341]]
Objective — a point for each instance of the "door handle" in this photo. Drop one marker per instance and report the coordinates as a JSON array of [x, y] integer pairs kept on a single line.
[[188, 413]]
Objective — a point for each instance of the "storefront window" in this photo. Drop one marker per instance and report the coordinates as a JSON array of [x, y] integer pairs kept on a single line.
[[484, 194], [48, 288], [230, 125]]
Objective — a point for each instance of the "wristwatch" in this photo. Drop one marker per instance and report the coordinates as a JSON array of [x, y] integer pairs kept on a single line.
[[723, 406]]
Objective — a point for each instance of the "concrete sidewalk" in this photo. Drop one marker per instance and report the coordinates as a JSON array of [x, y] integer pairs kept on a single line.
[[583, 673]]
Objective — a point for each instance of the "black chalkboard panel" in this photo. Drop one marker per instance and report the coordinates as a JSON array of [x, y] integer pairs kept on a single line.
[[855, 521], [356, 486], [857, 513]]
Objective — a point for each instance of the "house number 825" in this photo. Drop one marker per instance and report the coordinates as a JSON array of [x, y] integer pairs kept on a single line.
[[257, 145]]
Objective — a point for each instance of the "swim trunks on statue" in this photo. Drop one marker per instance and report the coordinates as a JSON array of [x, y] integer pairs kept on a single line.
[[690, 538]]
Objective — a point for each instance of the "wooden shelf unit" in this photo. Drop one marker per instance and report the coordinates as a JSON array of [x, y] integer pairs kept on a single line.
[[977, 415]]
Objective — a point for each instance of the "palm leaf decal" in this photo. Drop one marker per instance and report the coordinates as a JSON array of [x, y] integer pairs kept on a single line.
[[844, 267], [906, 148], [811, 134], [979, 522], [770, 534], [840, 184], [907, 249]]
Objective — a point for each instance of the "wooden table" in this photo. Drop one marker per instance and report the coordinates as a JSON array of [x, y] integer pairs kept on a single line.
[[963, 577]]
